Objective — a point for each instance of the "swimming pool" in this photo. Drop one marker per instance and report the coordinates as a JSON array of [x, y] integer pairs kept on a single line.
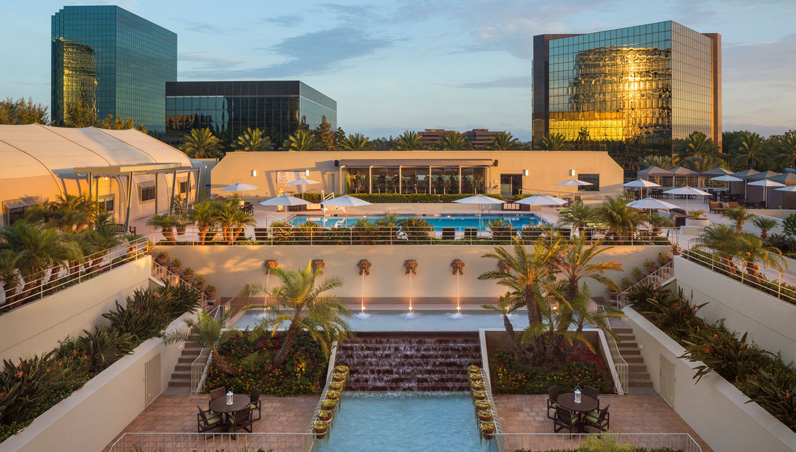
[[438, 221], [405, 422]]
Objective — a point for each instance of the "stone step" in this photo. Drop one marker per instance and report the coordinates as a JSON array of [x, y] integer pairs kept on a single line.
[[182, 367], [180, 383], [181, 375]]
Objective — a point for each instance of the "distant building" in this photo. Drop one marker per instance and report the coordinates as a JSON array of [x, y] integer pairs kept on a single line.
[[229, 108], [479, 137], [112, 60], [658, 81]]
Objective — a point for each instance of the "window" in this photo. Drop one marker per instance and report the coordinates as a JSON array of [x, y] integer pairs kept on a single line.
[[592, 178], [107, 203], [147, 193], [183, 187]]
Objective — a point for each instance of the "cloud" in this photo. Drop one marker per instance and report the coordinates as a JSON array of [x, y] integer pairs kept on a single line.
[[285, 20], [767, 63], [202, 27], [522, 81], [208, 61]]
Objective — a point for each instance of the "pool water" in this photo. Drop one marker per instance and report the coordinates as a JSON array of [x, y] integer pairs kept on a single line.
[[374, 321], [459, 221], [405, 422]]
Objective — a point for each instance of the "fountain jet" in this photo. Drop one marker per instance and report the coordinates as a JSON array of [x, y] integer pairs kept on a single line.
[[410, 268]]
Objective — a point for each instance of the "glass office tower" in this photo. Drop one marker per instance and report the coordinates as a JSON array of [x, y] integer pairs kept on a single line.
[[229, 108], [111, 60], [654, 82]]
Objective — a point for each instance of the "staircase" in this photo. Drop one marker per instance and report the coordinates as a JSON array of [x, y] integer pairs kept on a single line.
[[638, 379], [181, 378], [409, 362]]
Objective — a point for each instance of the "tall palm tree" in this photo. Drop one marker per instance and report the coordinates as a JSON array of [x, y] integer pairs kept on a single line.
[[200, 144], [253, 140], [750, 148], [205, 215], [739, 215], [207, 332], [765, 225], [553, 142], [506, 304], [665, 162], [9, 273], [302, 140], [302, 301], [166, 223], [409, 141], [577, 216], [786, 145], [454, 141], [504, 141], [698, 144], [702, 162], [622, 220], [576, 264], [355, 142], [750, 251]]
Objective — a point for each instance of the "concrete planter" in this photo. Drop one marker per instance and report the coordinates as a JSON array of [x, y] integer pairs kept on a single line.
[[690, 222]]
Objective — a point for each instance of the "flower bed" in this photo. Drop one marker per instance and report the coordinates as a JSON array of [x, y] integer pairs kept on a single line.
[[511, 375], [631, 449], [300, 374]]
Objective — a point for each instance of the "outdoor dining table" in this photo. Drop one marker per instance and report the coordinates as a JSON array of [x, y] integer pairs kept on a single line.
[[219, 405], [586, 404]]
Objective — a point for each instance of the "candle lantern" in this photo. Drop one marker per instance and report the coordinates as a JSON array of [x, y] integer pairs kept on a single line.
[[577, 395], [229, 397]]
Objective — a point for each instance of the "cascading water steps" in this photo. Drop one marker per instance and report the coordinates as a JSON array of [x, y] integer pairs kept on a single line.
[[430, 362]]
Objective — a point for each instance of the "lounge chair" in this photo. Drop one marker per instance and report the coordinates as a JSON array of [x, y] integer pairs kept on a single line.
[[207, 420], [598, 419], [448, 233]]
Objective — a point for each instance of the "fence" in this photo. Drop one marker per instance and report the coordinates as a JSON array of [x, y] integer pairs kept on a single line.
[[213, 442], [658, 277], [164, 274], [620, 364], [510, 442], [62, 275]]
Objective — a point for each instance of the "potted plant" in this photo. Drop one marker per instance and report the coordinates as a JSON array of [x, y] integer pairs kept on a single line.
[[199, 283], [477, 385], [338, 376], [484, 416], [210, 291], [482, 405], [697, 218], [321, 429], [187, 275], [488, 430], [626, 283], [333, 395], [342, 370], [325, 415], [650, 265], [664, 258], [473, 369], [162, 258], [336, 386], [479, 395], [329, 404], [476, 377], [611, 294], [180, 224], [175, 265], [676, 249], [638, 274]]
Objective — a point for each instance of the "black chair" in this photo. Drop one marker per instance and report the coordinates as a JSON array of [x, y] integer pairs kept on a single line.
[[599, 419], [448, 233], [552, 401], [218, 392], [207, 420], [242, 419], [255, 404], [565, 419], [470, 233], [261, 234], [594, 393]]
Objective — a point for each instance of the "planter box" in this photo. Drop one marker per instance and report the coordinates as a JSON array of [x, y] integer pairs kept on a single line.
[[690, 222]]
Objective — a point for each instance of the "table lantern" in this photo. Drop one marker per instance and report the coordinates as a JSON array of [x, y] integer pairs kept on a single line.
[[577, 395], [229, 397]]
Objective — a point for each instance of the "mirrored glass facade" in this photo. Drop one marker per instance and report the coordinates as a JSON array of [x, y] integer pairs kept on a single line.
[[229, 108], [132, 60], [655, 82]]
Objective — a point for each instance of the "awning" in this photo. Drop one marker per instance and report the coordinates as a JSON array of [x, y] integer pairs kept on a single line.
[[19, 203], [147, 184], [140, 168], [365, 163]]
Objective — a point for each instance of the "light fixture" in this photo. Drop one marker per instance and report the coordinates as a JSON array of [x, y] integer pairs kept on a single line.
[[254, 173], [106, 178], [525, 172], [572, 172], [307, 173]]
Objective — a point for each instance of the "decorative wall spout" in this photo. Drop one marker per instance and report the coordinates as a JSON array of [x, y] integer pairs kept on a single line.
[[410, 267], [318, 264], [364, 267], [502, 267], [269, 265], [458, 267]]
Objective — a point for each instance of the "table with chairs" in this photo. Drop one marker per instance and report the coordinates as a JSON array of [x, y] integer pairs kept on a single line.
[[230, 412], [569, 414]]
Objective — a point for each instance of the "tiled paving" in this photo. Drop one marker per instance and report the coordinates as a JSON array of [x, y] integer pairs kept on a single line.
[[628, 414]]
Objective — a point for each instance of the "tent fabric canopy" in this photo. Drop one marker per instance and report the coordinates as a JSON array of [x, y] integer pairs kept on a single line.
[[654, 171], [682, 171], [717, 172]]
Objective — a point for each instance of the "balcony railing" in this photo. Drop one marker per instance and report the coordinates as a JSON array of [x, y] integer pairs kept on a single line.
[[566, 441], [213, 442]]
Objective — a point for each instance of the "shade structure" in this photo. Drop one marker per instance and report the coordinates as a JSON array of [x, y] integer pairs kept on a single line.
[[239, 187], [791, 189], [717, 172], [746, 174], [302, 182], [764, 175], [479, 199], [785, 178], [345, 201], [727, 178], [641, 184], [574, 183], [687, 191], [541, 200], [765, 183], [654, 171], [284, 201], [652, 203]]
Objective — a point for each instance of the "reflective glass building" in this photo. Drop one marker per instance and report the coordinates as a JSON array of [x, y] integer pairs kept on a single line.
[[112, 60], [659, 81], [229, 108]]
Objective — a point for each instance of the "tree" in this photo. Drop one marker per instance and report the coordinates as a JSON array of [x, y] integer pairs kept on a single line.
[[576, 264], [208, 332], [750, 148], [339, 137], [205, 214], [409, 141], [67, 212], [453, 141], [201, 144], [504, 141], [80, 114], [325, 135], [622, 220], [9, 273], [750, 250], [659, 161], [506, 304], [719, 238], [764, 224], [117, 123], [301, 140], [355, 142], [577, 216], [22, 112], [786, 145], [697, 143], [166, 223], [703, 162], [553, 142], [302, 302], [739, 215], [253, 141]]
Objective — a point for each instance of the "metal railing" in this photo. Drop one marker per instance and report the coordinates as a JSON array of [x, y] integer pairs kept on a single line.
[[509, 442], [319, 405], [213, 442], [67, 274], [658, 277], [622, 367], [491, 400], [201, 365], [164, 274]]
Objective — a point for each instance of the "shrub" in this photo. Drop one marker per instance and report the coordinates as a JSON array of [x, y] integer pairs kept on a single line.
[[789, 225]]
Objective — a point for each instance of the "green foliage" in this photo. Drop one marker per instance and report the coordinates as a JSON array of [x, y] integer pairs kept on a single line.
[[22, 111], [117, 123], [325, 136], [148, 311], [417, 229], [553, 142], [355, 142], [201, 144], [720, 350], [409, 141], [453, 141], [80, 114], [789, 225], [253, 140]]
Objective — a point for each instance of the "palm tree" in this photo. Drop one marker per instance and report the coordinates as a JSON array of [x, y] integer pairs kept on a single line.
[[302, 140], [409, 141], [702, 162], [576, 264], [301, 301], [166, 223], [506, 304], [208, 332], [659, 161], [750, 250], [355, 142], [9, 273], [577, 216], [553, 142], [205, 215], [739, 215], [622, 220], [67, 212], [577, 310], [750, 148], [253, 140], [721, 239], [698, 144], [787, 147], [504, 141], [200, 144], [656, 221], [454, 141], [764, 224]]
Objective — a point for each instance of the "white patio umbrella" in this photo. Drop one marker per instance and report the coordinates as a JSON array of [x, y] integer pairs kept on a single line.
[[641, 184], [238, 186], [344, 202], [574, 183], [481, 200], [765, 183], [542, 200], [284, 201], [301, 183], [651, 203], [687, 191], [790, 189], [727, 178]]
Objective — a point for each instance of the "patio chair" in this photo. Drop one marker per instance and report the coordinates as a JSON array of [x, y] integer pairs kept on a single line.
[[242, 419], [552, 401], [565, 419], [594, 393], [448, 233], [261, 234], [255, 403], [470, 233], [207, 420], [218, 392], [599, 420]]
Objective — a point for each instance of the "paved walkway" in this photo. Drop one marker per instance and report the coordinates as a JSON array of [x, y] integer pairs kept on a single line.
[[628, 414]]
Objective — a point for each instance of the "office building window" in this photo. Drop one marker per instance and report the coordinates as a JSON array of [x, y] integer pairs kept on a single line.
[[594, 179], [148, 193]]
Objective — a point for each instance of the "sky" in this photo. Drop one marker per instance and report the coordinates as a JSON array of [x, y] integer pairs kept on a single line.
[[414, 64]]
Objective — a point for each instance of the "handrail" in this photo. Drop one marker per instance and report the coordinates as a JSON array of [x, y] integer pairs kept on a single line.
[[164, 274], [658, 277], [69, 273], [572, 441], [329, 373], [620, 364], [211, 442]]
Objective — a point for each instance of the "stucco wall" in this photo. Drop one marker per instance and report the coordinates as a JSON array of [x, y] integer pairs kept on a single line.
[[38, 326], [230, 268], [92, 417], [769, 321], [546, 168], [714, 408]]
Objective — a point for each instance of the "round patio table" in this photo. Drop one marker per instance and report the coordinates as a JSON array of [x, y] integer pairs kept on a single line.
[[219, 405], [586, 403]]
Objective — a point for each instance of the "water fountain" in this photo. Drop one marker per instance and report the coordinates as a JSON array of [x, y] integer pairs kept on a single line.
[[364, 270], [318, 264], [458, 269], [410, 268]]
